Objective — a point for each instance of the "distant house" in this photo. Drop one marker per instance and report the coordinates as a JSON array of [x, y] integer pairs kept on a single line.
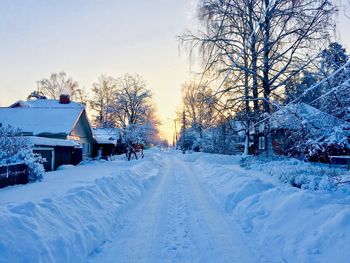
[[56, 126], [106, 141]]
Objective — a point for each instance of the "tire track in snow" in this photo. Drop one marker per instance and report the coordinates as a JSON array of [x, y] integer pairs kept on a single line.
[[173, 242], [177, 221]]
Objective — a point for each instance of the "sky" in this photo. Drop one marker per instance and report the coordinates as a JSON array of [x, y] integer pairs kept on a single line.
[[87, 38]]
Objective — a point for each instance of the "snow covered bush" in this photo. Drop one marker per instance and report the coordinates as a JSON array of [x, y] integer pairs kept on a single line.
[[35, 168], [15, 148], [207, 144], [295, 172], [139, 133], [190, 140], [220, 139]]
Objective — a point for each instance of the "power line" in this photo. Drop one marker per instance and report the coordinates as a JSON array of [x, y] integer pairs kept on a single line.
[[311, 89]]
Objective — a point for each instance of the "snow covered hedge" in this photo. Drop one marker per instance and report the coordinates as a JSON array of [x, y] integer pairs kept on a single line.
[[15, 148], [295, 172], [221, 139]]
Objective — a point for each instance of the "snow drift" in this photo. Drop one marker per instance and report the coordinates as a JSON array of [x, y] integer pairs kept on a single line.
[[283, 223], [69, 214], [73, 212]]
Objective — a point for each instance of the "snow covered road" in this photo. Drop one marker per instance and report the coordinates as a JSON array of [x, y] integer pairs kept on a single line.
[[171, 207], [177, 221]]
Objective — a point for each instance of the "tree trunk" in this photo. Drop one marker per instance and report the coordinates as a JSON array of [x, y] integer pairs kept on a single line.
[[254, 68], [266, 80]]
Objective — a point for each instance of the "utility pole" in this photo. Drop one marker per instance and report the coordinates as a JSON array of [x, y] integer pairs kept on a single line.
[[175, 135], [183, 132]]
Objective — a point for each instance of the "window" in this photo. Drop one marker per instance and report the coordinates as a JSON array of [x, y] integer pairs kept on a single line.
[[261, 143], [261, 127]]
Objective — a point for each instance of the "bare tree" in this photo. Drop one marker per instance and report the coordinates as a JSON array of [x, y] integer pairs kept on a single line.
[[258, 45], [132, 100], [199, 106], [58, 84], [231, 36], [132, 109], [103, 97]]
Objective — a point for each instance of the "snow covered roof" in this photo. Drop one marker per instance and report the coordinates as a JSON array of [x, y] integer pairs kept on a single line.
[[41, 120], [106, 135], [45, 103], [100, 140], [294, 115], [238, 126], [51, 142]]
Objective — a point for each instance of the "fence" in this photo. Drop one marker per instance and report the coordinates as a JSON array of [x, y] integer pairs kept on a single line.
[[340, 160], [13, 174]]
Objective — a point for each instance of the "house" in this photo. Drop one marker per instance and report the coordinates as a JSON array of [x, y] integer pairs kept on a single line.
[[323, 134], [106, 141], [56, 152], [58, 126]]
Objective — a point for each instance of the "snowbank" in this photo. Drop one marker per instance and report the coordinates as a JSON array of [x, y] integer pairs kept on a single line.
[[72, 212], [283, 223]]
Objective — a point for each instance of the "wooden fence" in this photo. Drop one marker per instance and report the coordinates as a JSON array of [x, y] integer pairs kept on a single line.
[[13, 174]]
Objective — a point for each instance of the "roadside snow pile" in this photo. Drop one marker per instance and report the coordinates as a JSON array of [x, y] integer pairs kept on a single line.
[[71, 212], [297, 173], [283, 223]]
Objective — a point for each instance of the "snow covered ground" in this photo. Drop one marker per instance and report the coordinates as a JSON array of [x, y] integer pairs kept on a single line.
[[71, 212], [282, 223], [171, 207]]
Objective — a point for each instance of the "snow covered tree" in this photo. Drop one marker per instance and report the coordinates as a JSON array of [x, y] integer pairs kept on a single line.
[[225, 139], [103, 97], [139, 134], [58, 84], [337, 102], [199, 106], [333, 57], [299, 84], [189, 140], [15, 148], [200, 112], [332, 95]]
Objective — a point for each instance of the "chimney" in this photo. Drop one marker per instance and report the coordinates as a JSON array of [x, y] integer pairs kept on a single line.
[[64, 99]]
